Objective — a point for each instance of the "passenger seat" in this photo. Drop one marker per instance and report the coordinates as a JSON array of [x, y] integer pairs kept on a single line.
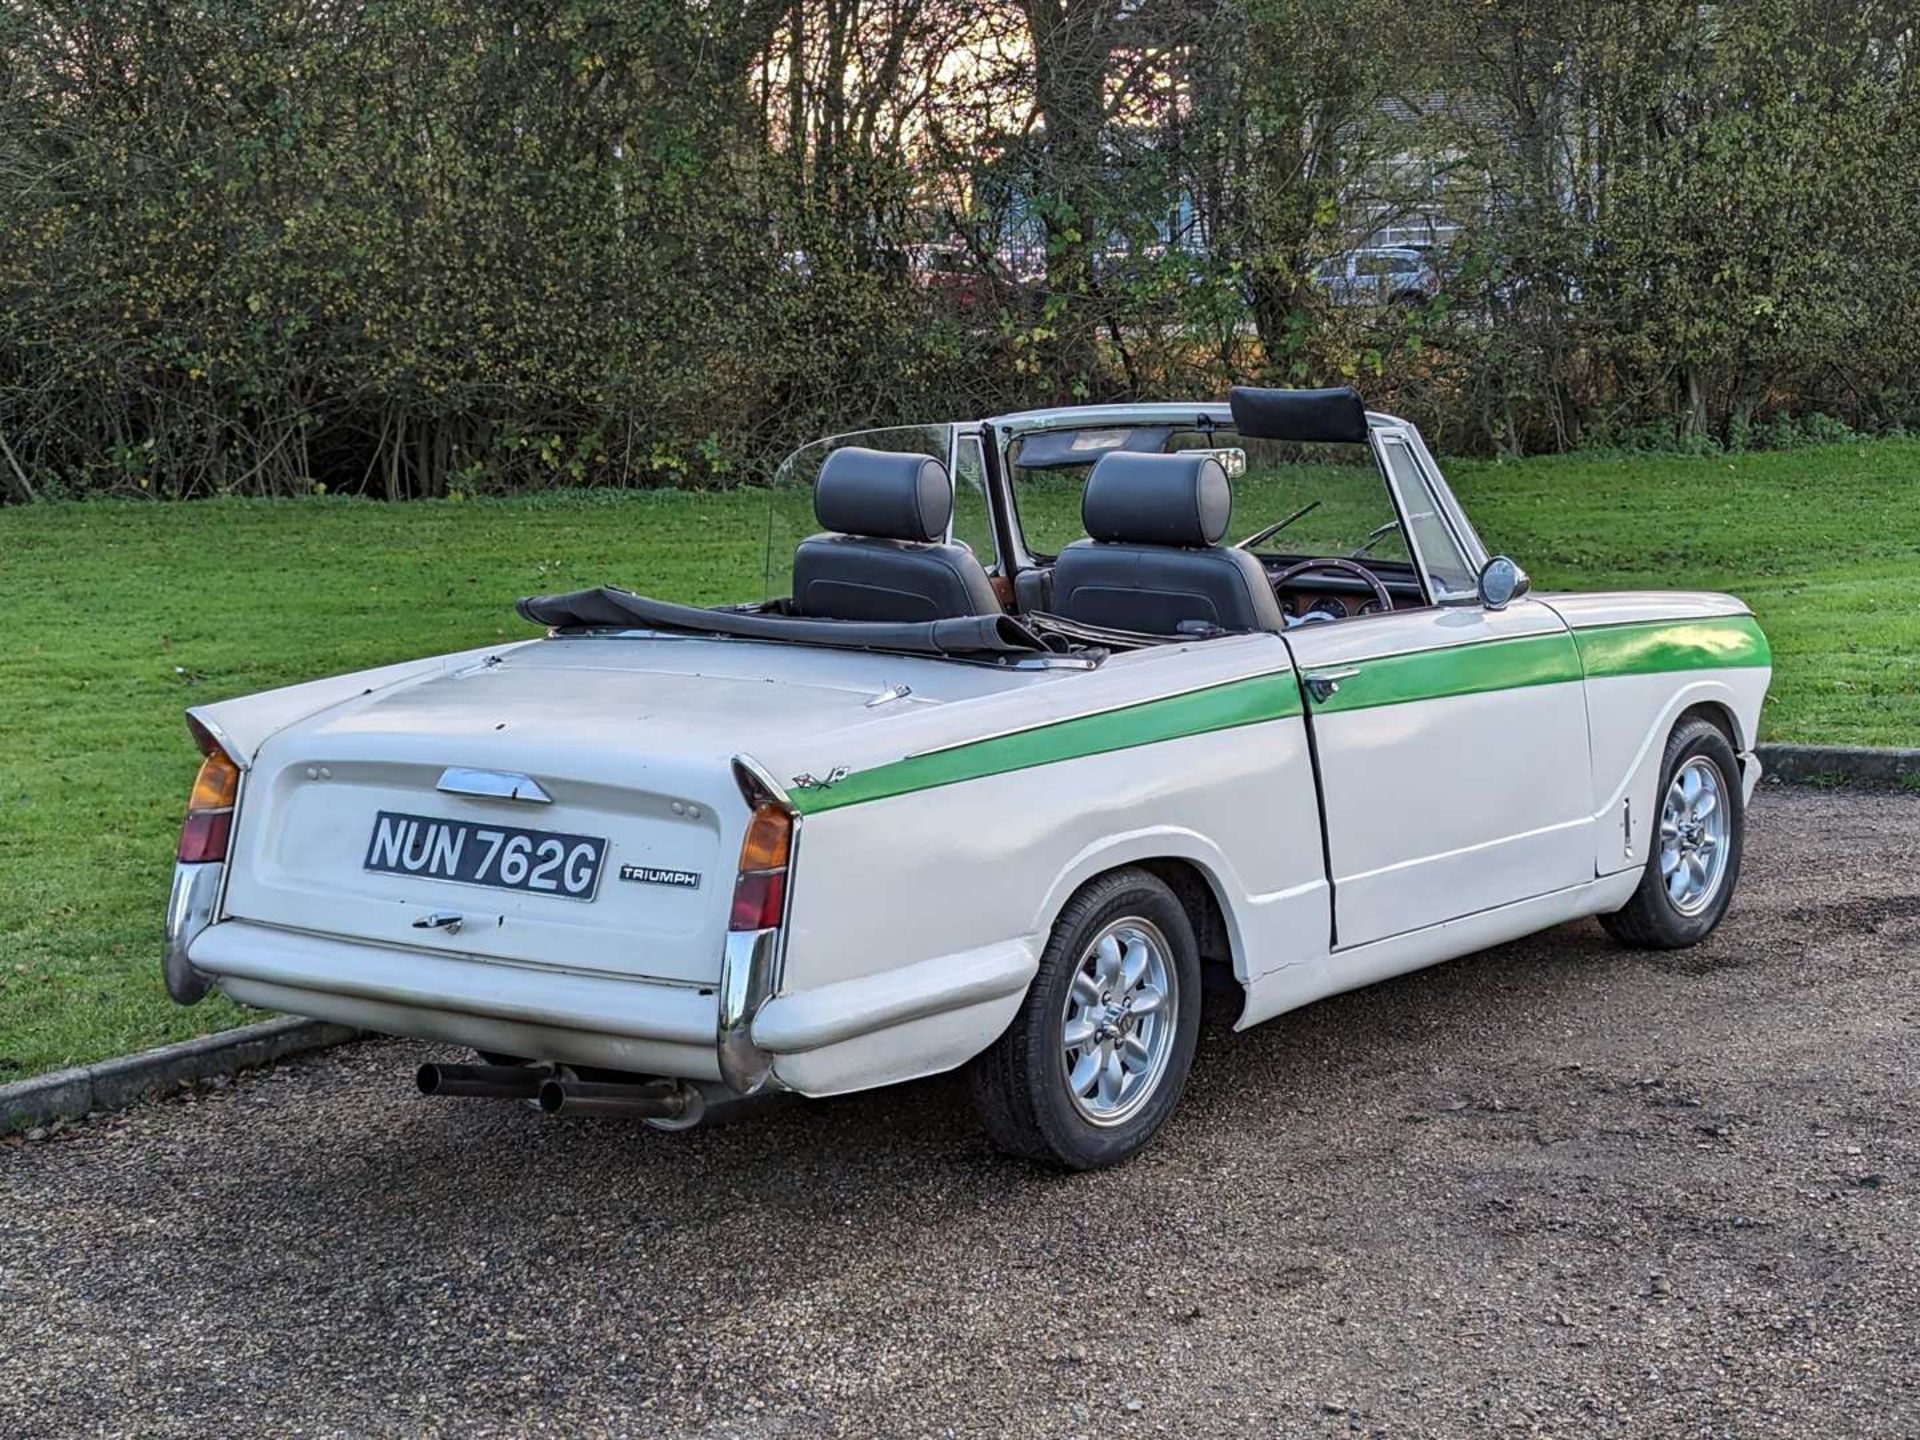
[[888, 558]]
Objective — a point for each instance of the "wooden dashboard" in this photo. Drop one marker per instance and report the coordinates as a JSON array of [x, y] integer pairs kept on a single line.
[[1342, 605]]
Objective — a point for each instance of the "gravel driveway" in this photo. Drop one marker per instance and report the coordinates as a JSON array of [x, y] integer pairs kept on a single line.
[[1555, 1188]]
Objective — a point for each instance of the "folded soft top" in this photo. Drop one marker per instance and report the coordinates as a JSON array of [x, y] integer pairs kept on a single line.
[[610, 606]]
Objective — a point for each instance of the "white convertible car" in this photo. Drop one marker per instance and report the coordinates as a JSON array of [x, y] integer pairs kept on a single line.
[[1023, 755]]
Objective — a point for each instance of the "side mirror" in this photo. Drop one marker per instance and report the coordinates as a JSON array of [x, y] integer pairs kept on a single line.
[[1502, 582], [1232, 459]]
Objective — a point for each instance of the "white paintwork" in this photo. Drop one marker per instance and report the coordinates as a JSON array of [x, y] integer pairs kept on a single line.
[[1340, 971], [1445, 807], [1586, 609], [822, 1015], [632, 737], [915, 922], [939, 874], [1632, 716], [242, 725], [1004, 704]]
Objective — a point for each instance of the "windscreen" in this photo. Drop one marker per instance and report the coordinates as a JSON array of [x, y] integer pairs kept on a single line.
[[1347, 508], [790, 517]]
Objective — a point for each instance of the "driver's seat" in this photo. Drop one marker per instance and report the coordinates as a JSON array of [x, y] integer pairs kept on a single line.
[[1153, 560]]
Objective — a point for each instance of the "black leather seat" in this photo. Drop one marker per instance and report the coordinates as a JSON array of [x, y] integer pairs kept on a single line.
[[1153, 558], [889, 559]]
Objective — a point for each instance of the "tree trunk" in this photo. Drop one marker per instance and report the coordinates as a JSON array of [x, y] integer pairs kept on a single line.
[[1695, 421], [1072, 45]]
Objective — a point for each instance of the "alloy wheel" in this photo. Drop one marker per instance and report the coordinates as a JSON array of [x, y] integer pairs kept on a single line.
[[1117, 1025], [1693, 835]]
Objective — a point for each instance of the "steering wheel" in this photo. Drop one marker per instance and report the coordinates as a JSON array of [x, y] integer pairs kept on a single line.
[[1333, 562]]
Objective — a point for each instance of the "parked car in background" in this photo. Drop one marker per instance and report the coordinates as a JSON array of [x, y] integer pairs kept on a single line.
[[956, 278], [997, 804], [1380, 275]]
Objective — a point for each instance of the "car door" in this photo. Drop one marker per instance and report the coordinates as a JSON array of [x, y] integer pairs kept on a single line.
[[1451, 740]]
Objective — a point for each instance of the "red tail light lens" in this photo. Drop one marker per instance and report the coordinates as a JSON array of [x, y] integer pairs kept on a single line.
[[204, 837], [760, 892], [209, 822], [757, 898]]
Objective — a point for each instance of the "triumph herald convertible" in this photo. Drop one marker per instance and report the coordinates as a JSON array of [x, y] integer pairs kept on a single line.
[[1020, 752]]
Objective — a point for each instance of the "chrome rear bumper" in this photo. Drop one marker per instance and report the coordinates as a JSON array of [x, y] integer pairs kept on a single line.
[[747, 977], [649, 1027], [191, 907]]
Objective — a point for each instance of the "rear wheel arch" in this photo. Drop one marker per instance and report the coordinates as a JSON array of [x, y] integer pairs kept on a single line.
[[1199, 895], [1190, 865]]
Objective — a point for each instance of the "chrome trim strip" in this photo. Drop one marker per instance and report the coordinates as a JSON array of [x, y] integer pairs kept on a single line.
[[191, 906], [752, 962], [1378, 438], [1471, 544], [456, 983], [772, 786], [624, 632], [221, 737], [1051, 662], [746, 983], [492, 785], [1069, 417]]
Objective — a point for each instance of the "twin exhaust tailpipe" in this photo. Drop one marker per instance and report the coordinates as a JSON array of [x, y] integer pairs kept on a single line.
[[485, 1082], [669, 1101], [653, 1100]]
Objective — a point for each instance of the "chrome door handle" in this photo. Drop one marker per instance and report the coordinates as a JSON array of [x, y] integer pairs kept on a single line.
[[445, 920], [1324, 684]]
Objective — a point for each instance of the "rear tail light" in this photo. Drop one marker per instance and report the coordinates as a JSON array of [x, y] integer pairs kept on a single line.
[[760, 892], [209, 821]]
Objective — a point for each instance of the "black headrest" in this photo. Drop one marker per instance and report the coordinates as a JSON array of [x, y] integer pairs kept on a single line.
[[1157, 499], [1299, 415], [883, 493]]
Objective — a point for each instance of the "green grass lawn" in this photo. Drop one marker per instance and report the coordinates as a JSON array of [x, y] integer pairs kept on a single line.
[[122, 615]]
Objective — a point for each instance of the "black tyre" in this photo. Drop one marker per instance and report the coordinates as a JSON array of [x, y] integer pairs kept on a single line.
[[1694, 862], [1098, 1056]]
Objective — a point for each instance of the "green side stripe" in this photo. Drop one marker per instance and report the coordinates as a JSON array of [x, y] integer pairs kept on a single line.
[[1456, 670], [1221, 707], [1639, 648], [1655, 646]]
